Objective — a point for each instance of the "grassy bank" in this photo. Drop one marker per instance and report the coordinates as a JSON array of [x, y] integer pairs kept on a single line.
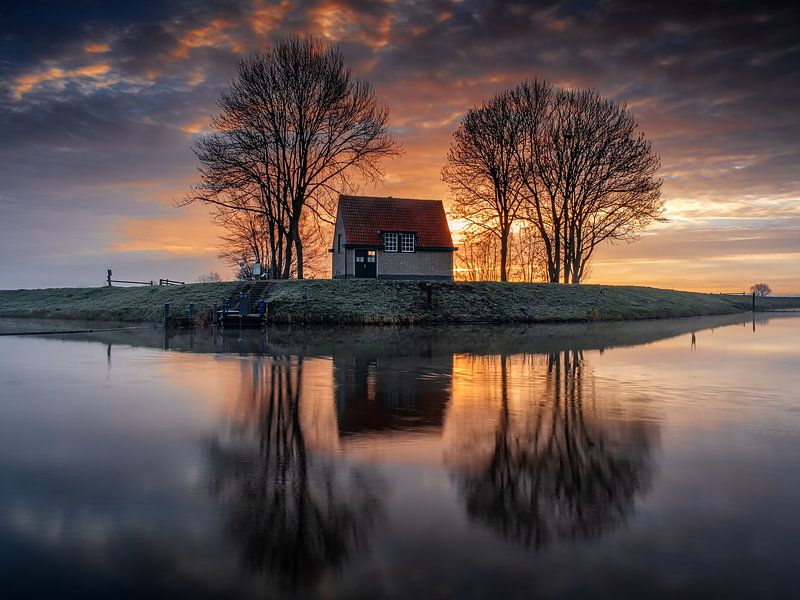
[[363, 301], [144, 303]]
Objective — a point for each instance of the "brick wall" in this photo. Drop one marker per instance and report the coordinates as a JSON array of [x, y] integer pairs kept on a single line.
[[415, 265]]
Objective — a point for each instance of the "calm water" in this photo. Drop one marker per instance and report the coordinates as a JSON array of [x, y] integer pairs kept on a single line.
[[634, 460]]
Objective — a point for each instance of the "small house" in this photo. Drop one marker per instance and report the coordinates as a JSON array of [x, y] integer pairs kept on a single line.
[[391, 238]]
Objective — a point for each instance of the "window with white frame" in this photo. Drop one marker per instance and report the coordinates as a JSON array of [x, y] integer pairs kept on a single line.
[[406, 242], [390, 242]]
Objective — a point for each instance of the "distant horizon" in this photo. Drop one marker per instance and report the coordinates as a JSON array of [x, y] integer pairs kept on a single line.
[[746, 292], [99, 106]]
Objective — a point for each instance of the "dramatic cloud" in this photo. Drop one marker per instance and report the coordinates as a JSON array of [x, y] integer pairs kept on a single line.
[[99, 103]]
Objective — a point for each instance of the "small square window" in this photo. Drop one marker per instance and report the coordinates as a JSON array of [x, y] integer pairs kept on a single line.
[[406, 242], [390, 242]]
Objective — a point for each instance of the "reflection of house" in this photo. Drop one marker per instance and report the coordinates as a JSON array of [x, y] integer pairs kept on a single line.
[[391, 238], [391, 393]]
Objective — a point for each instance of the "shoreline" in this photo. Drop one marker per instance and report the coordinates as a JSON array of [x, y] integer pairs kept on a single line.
[[375, 302]]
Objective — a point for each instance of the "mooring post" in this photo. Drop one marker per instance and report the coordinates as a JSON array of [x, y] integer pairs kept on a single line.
[[754, 302], [191, 310], [109, 278], [166, 314], [214, 315]]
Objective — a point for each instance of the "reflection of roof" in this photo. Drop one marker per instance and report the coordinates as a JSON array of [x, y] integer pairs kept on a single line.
[[365, 217], [391, 395]]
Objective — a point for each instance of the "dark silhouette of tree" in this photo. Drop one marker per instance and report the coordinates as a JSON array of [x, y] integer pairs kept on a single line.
[[295, 126], [245, 239], [589, 170], [293, 513], [559, 476], [478, 257], [575, 166], [210, 277], [481, 173], [760, 289]]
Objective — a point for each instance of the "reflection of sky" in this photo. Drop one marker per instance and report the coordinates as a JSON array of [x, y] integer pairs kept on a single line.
[[99, 104], [103, 474]]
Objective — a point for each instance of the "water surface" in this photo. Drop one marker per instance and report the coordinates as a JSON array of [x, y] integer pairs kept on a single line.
[[631, 459]]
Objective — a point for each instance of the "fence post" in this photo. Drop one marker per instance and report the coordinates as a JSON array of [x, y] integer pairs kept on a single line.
[[191, 310], [109, 278], [166, 314]]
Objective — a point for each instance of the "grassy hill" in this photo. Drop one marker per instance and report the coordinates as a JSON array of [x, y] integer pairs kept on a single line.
[[373, 301]]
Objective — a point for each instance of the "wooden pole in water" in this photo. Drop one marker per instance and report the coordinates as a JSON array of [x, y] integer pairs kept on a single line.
[[754, 302], [166, 315]]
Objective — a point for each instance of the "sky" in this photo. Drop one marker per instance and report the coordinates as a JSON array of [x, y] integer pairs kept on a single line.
[[100, 102]]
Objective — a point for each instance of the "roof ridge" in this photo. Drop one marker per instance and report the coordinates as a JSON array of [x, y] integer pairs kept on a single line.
[[342, 196]]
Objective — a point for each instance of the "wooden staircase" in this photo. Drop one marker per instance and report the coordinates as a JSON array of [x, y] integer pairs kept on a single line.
[[255, 291]]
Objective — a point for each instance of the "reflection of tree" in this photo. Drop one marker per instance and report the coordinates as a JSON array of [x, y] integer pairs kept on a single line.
[[558, 474], [294, 514]]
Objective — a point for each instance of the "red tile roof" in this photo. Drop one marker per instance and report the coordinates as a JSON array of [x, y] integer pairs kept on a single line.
[[365, 217]]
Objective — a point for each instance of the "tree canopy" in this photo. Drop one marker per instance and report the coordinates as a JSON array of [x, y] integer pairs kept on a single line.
[[573, 166], [295, 127]]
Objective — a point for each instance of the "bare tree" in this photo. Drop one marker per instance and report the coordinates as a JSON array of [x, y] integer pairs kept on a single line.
[[295, 126], [245, 239], [760, 289], [589, 173], [573, 165], [210, 277], [478, 256], [481, 172], [527, 256]]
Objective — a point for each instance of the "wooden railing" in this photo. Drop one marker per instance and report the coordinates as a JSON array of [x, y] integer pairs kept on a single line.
[[110, 281]]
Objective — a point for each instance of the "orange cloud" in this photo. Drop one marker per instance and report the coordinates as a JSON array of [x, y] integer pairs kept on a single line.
[[58, 76], [335, 22], [89, 71], [97, 48], [196, 126], [266, 17], [215, 34]]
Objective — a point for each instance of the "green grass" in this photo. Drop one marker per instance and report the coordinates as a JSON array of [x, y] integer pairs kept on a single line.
[[145, 303], [381, 302]]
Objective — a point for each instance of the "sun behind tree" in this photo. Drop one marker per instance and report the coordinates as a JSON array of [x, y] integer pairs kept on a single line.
[[572, 166]]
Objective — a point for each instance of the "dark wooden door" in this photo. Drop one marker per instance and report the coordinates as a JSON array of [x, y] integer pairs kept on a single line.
[[366, 265]]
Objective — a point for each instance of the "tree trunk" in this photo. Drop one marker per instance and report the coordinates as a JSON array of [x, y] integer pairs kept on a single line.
[[555, 270], [504, 253], [298, 247], [287, 258]]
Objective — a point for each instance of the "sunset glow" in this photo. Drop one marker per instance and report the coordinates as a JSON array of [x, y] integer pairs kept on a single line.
[[92, 101]]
